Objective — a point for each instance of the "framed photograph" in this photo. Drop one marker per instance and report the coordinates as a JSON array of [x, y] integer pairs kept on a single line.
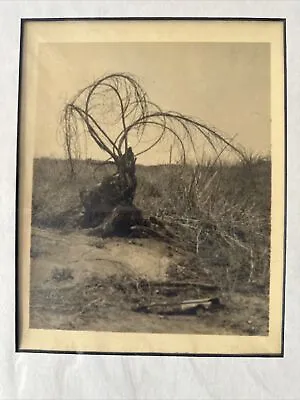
[[151, 186]]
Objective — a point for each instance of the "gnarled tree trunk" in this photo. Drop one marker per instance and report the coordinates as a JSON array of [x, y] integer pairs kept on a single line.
[[109, 204]]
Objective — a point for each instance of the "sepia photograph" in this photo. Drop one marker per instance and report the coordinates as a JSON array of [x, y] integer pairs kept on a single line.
[[151, 186]]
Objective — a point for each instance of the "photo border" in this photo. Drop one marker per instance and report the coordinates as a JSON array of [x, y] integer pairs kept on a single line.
[[17, 275]]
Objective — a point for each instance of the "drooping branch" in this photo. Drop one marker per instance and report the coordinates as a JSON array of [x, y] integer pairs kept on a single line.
[[116, 113]]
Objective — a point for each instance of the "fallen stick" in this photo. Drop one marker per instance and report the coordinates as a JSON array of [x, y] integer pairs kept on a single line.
[[182, 307], [214, 300], [183, 284]]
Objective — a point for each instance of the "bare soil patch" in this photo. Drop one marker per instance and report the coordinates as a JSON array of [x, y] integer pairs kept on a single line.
[[81, 282]]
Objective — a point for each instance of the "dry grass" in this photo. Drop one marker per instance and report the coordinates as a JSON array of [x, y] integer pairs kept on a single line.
[[221, 213]]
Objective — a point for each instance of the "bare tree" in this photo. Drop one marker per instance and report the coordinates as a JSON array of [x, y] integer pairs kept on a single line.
[[116, 113]]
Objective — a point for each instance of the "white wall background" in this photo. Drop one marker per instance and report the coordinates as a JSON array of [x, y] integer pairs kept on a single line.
[[42, 376]]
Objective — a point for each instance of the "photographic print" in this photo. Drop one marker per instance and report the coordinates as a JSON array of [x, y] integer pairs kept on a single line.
[[151, 186]]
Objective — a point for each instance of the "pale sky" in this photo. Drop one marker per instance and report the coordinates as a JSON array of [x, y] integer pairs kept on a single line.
[[224, 84]]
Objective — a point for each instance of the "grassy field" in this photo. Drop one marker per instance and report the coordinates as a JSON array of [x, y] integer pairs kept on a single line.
[[219, 216], [221, 213]]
